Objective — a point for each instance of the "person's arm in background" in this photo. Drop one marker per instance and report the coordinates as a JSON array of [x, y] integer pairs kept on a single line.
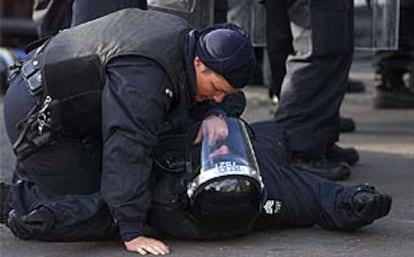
[[50, 16], [87, 10]]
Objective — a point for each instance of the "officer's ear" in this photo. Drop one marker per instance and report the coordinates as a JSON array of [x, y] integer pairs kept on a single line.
[[199, 65], [197, 62]]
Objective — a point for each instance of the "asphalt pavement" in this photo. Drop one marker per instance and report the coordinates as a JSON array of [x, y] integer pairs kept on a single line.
[[385, 140]]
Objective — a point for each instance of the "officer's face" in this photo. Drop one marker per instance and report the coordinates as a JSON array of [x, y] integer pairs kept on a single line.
[[210, 85]]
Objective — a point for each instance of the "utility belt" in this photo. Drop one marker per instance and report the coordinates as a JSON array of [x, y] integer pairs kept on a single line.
[[70, 92], [42, 125]]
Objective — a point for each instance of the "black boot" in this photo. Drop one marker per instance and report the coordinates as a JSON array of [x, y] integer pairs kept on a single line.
[[385, 98], [391, 90], [355, 86], [336, 153], [346, 125]]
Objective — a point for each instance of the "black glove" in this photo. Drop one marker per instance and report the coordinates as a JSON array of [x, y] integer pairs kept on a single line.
[[370, 204], [28, 226]]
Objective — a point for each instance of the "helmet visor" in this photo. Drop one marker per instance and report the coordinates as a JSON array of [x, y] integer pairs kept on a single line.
[[228, 163]]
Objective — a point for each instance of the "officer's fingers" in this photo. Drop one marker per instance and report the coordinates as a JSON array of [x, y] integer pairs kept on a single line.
[[136, 245], [150, 249], [225, 132], [155, 248], [141, 251], [212, 138], [212, 134], [160, 247], [199, 136]]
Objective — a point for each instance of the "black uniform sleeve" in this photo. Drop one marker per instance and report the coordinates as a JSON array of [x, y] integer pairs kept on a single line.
[[133, 107]]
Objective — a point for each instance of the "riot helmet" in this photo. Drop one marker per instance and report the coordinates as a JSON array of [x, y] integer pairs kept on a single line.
[[226, 188]]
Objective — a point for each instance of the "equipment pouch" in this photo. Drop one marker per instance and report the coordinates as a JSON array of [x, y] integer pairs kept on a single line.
[[38, 130], [169, 171], [169, 154]]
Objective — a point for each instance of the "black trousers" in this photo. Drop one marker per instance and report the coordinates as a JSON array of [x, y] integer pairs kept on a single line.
[[316, 71], [279, 41]]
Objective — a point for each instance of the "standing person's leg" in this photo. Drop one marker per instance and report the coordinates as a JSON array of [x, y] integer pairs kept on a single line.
[[244, 13], [315, 83], [240, 12], [278, 40], [220, 11], [279, 47], [409, 41], [50, 16]]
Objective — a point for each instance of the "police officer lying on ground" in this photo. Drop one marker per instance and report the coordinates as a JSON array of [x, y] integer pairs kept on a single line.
[[86, 109], [239, 185]]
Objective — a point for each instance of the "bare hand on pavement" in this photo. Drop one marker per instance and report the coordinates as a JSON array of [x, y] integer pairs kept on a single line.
[[144, 245]]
